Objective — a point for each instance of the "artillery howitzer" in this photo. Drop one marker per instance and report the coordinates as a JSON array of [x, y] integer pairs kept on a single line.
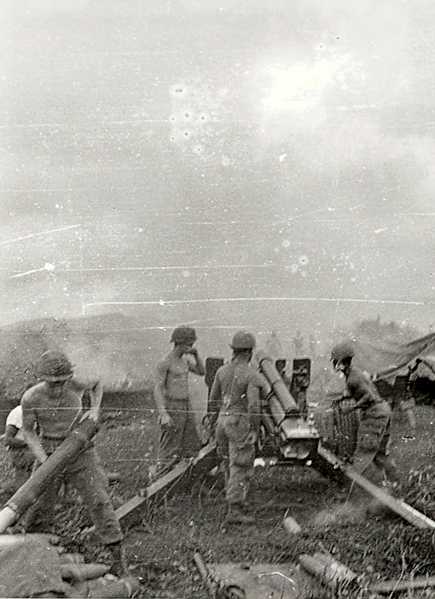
[[285, 435], [286, 438]]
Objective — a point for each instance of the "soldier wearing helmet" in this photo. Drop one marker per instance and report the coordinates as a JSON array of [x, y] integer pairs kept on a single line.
[[373, 441], [20, 456], [178, 434], [235, 412], [55, 406], [340, 352]]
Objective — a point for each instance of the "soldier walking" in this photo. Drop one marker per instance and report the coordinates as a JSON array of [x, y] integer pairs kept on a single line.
[[235, 412], [178, 434]]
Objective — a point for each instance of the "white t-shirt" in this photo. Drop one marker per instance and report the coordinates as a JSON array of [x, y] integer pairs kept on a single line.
[[15, 418]]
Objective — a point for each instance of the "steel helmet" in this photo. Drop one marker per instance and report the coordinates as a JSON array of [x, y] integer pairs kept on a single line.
[[243, 340], [183, 335], [54, 366], [342, 351]]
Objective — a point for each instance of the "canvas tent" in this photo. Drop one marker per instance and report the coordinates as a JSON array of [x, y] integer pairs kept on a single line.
[[424, 369], [391, 363], [386, 359]]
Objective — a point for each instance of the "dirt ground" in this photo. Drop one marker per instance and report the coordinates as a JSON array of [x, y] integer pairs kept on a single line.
[[358, 533], [160, 543]]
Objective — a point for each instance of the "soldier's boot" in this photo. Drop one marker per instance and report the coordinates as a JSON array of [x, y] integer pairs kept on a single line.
[[392, 478], [237, 514], [119, 565]]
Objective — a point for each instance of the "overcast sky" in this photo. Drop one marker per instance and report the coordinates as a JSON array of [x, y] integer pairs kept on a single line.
[[258, 163]]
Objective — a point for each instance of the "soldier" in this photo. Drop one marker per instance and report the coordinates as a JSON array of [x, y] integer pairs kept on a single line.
[[235, 407], [55, 406], [375, 416], [178, 434], [21, 457], [300, 382]]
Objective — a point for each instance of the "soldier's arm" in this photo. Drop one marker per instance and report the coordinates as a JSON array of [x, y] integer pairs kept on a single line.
[[362, 392], [29, 434], [82, 385], [197, 367], [95, 389], [96, 397], [10, 439]]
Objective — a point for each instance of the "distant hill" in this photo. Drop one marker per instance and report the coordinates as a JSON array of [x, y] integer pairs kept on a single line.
[[113, 348], [122, 351]]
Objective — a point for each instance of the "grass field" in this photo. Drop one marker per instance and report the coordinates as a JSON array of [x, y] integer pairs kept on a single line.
[[160, 547]]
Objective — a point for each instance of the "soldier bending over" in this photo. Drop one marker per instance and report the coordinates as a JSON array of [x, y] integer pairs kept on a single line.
[[375, 416], [55, 406]]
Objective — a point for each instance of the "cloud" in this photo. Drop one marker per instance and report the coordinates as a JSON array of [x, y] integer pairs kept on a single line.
[[299, 87], [326, 94]]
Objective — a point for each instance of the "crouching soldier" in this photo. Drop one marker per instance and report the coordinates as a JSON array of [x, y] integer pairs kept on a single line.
[[55, 406], [21, 457], [375, 416], [235, 412]]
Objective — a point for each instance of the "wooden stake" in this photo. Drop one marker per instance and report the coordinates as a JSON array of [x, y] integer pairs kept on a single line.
[[391, 586], [397, 505]]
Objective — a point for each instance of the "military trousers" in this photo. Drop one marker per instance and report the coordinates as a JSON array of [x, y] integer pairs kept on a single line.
[[178, 440], [87, 476], [236, 448], [373, 442]]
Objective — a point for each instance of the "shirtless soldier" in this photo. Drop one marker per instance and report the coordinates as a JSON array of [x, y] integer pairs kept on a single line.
[[235, 411], [178, 434], [373, 442], [55, 406]]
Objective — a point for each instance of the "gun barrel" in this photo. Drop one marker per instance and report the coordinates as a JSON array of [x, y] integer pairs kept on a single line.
[[295, 439], [278, 386], [27, 493]]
